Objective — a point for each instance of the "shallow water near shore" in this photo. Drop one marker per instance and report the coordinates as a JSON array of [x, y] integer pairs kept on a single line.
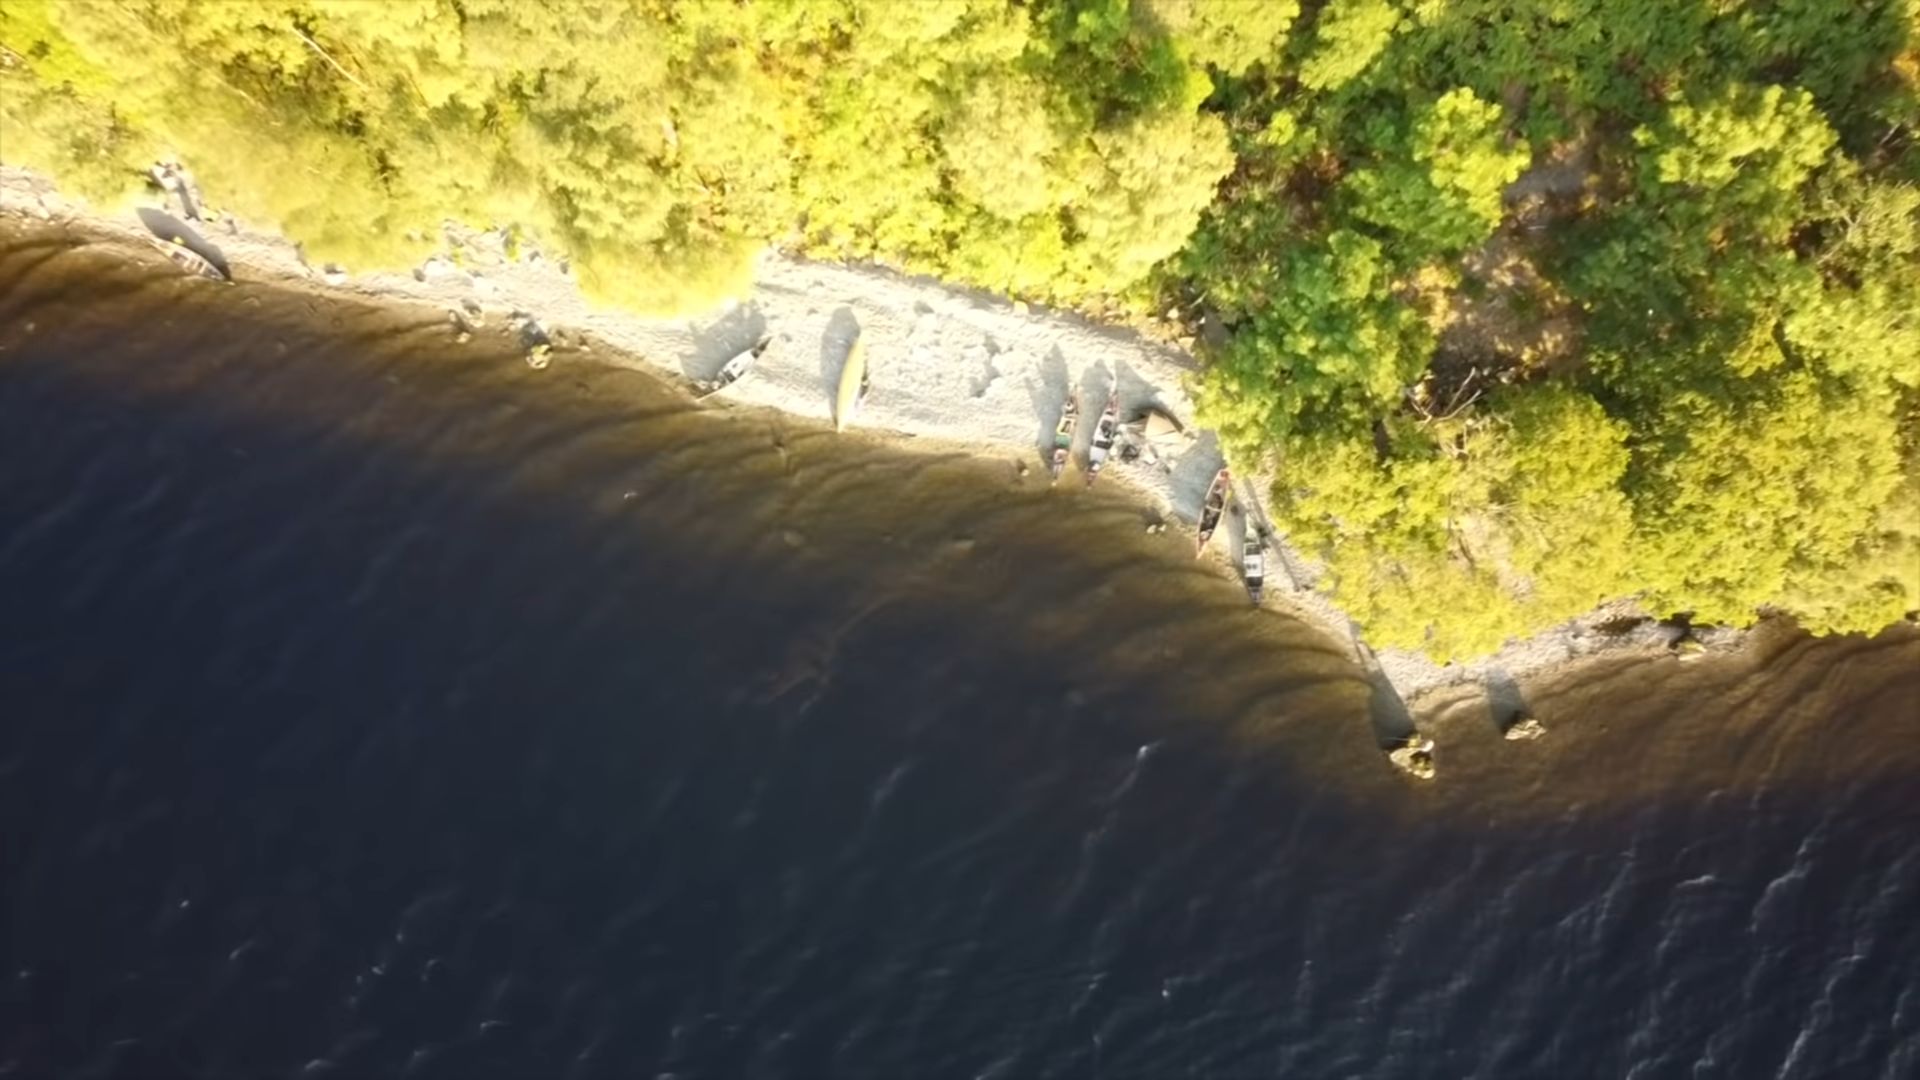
[[377, 706]]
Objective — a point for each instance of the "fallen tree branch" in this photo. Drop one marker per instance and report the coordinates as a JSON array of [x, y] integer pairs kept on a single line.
[[331, 62]]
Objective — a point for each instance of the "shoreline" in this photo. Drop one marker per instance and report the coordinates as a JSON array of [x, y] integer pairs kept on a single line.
[[950, 366]]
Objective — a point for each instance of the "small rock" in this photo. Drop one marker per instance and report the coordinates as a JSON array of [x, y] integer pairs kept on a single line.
[[794, 538], [540, 356], [1414, 757], [462, 338]]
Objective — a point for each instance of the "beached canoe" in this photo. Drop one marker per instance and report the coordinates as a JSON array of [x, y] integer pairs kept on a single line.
[[853, 385], [731, 371], [1063, 436], [187, 248], [190, 260], [1253, 560], [1103, 435], [1212, 508]]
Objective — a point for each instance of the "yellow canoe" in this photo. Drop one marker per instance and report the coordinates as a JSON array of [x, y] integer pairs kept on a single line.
[[853, 377]]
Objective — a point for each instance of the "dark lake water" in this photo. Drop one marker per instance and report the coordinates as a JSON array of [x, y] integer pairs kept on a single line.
[[376, 707]]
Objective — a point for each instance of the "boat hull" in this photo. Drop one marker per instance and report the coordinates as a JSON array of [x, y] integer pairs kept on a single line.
[[1104, 434], [853, 376], [1211, 510]]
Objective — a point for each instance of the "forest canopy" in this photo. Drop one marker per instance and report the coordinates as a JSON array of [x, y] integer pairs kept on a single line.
[[1050, 150], [1528, 304]]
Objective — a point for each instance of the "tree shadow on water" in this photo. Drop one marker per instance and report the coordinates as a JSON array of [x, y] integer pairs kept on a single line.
[[1387, 711], [1506, 703]]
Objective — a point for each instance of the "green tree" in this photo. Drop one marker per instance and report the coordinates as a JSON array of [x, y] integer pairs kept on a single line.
[[1348, 37], [1437, 180], [1737, 500], [1228, 35], [1322, 341]]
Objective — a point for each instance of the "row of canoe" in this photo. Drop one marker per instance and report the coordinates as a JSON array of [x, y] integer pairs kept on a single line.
[[1098, 450], [1253, 559], [1253, 554], [854, 385]]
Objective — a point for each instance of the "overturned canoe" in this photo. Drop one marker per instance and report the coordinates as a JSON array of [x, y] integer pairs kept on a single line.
[[853, 385]]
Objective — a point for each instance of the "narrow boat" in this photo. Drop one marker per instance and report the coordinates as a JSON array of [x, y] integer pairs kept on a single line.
[[1063, 436], [190, 260], [1210, 511], [853, 385], [1253, 559], [187, 248], [731, 371], [1103, 436]]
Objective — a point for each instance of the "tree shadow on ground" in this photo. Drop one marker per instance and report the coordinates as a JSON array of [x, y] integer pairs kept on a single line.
[[843, 330], [1192, 474], [1136, 393], [1049, 395], [1095, 382], [730, 335]]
